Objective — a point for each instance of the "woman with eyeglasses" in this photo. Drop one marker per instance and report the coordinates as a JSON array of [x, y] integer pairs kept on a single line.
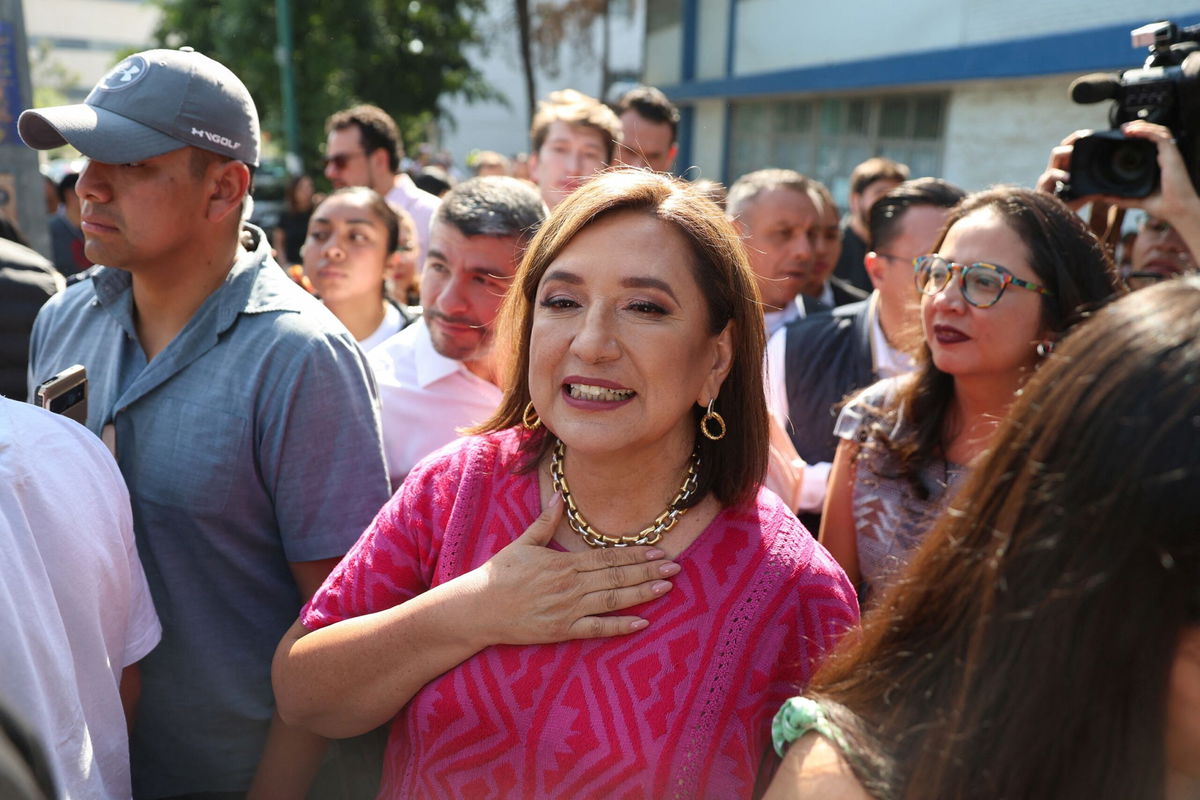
[[1045, 640], [1012, 271]]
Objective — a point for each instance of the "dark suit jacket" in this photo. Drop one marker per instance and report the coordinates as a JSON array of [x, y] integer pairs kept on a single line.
[[845, 293], [27, 280], [850, 267], [826, 357]]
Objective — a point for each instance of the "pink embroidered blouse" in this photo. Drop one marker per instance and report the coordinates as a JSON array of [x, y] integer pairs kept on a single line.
[[682, 709]]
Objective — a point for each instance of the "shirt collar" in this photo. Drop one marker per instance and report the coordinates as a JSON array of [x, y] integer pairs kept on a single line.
[[247, 288], [431, 365]]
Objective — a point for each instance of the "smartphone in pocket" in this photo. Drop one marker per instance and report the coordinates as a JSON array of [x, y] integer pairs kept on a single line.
[[66, 393]]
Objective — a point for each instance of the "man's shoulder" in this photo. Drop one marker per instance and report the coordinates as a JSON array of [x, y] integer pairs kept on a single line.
[[833, 323]]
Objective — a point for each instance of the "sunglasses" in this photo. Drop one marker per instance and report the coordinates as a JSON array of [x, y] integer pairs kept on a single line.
[[340, 160], [982, 284]]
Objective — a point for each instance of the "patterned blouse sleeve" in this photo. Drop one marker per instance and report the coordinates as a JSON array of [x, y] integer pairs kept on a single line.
[[861, 411], [395, 558]]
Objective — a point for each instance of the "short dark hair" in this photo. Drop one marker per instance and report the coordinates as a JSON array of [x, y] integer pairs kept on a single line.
[[65, 185], [883, 221], [375, 127], [733, 468], [651, 105], [493, 205], [876, 169]]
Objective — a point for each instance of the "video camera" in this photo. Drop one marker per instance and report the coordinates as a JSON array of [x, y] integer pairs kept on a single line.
[[1165, 90]]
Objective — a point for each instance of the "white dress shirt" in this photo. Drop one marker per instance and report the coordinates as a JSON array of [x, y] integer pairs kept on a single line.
[[425, 398], [420, 204]]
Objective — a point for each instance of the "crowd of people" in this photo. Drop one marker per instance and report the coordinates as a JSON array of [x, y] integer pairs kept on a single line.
[[573, 478]]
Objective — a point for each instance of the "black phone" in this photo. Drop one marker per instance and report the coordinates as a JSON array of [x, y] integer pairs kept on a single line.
[[66, 393]]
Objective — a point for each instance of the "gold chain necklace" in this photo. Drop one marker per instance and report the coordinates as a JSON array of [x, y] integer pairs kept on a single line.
[[594, 538]]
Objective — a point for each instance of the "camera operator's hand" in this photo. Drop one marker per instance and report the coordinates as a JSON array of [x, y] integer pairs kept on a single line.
[[1056, 172], [1175, 199]]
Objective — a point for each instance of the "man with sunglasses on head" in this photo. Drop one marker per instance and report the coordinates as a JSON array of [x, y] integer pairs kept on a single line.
[[814, 362], [363, 148]]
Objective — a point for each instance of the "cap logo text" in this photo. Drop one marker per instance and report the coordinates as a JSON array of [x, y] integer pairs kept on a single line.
[[216, 138]]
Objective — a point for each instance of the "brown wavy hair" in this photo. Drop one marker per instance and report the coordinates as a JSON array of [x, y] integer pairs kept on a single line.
[[731, 468], [1025, 651], [1068, 260]]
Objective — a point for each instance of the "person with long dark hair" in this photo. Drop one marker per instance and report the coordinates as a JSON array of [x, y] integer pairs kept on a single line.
[[1045, 639], [1012, 271]]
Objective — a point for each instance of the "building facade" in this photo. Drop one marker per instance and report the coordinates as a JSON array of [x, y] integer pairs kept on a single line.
[[974, 91]]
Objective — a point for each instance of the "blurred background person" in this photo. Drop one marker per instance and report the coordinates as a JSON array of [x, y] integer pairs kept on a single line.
[[823, 285], [351, 252], [1045, 641], [363, 148], [66, 237], [405, 283], [27, 281], [298, 203], [869, 181], [435, 180], [649, 129], [489, 162], [1013, 271], [573, 136], [635, 383], [779, 222]]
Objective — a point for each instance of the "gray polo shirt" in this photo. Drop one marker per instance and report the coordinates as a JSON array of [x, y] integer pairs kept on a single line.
[[251, 441]]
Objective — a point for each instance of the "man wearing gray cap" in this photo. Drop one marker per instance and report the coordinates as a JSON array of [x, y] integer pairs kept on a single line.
[[241, 412]]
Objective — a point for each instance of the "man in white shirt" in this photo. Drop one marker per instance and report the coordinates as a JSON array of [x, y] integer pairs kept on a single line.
[[813, 363], [78, 610], [363, 148], [779, 219], [439, 374]]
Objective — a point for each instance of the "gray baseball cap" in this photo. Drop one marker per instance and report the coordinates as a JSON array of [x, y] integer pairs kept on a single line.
[[149, 104]]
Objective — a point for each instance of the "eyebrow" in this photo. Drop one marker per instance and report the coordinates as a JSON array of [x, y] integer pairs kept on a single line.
[[635, 282]]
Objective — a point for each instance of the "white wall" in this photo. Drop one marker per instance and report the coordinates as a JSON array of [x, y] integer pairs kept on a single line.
[[492, 126], [708, 139], [108, 26], [782, 34], [1002, 131]]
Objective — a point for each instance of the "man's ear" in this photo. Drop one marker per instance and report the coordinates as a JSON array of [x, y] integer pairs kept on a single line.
[[875, 268], [229, 181]]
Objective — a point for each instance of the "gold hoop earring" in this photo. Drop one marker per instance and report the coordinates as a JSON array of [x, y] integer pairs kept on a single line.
[[536, 421], [711, 416]]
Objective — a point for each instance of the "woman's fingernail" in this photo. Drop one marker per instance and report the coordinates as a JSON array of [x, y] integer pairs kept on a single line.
[[669, 569], [654, 554], [639, 624], [659, 587]]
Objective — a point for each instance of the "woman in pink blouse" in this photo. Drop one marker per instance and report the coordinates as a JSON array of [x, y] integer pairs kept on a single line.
[[637, 644]]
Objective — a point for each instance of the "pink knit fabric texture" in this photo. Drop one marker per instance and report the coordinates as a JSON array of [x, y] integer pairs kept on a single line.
[[680, 710]]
